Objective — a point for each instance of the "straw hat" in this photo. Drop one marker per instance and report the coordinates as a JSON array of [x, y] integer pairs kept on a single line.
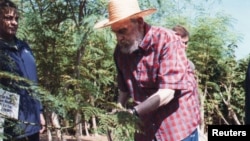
[[122, 9]]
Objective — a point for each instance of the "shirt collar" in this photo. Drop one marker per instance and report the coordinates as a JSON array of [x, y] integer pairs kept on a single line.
[[147, 42], [9, 45]]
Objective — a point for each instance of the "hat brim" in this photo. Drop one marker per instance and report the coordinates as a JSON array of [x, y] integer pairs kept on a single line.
[[106, 22]]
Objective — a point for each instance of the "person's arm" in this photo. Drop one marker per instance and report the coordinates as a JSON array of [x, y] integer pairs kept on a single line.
[[121, 102], [122, 98], [160, 98], [42, 120]]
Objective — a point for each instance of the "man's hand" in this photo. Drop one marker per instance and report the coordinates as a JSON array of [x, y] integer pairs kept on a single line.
[[119, 108], [42, 123]]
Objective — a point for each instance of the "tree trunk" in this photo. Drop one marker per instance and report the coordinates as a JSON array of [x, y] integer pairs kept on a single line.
[[86, 127], [78, 126]]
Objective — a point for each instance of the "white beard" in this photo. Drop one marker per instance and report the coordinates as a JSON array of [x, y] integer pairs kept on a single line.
[[128, 47]]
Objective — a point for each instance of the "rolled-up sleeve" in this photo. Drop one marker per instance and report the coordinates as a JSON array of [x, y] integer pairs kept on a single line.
[[173, 66]]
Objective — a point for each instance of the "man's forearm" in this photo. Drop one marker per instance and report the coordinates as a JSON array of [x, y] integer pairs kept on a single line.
[[123, 98], [160, 98]]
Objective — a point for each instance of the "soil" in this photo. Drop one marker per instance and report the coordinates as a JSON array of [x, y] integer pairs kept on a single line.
[[43, 137]]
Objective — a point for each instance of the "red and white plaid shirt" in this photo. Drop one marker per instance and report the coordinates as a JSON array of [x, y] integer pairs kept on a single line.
[[161, 63]]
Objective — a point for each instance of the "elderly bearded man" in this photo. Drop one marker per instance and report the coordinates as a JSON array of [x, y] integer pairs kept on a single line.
[[153, 69]]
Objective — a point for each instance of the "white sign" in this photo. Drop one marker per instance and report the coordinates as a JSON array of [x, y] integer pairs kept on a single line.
[[9, 104]]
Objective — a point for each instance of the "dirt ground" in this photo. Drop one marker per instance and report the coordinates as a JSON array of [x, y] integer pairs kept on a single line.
[[43, 137]]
